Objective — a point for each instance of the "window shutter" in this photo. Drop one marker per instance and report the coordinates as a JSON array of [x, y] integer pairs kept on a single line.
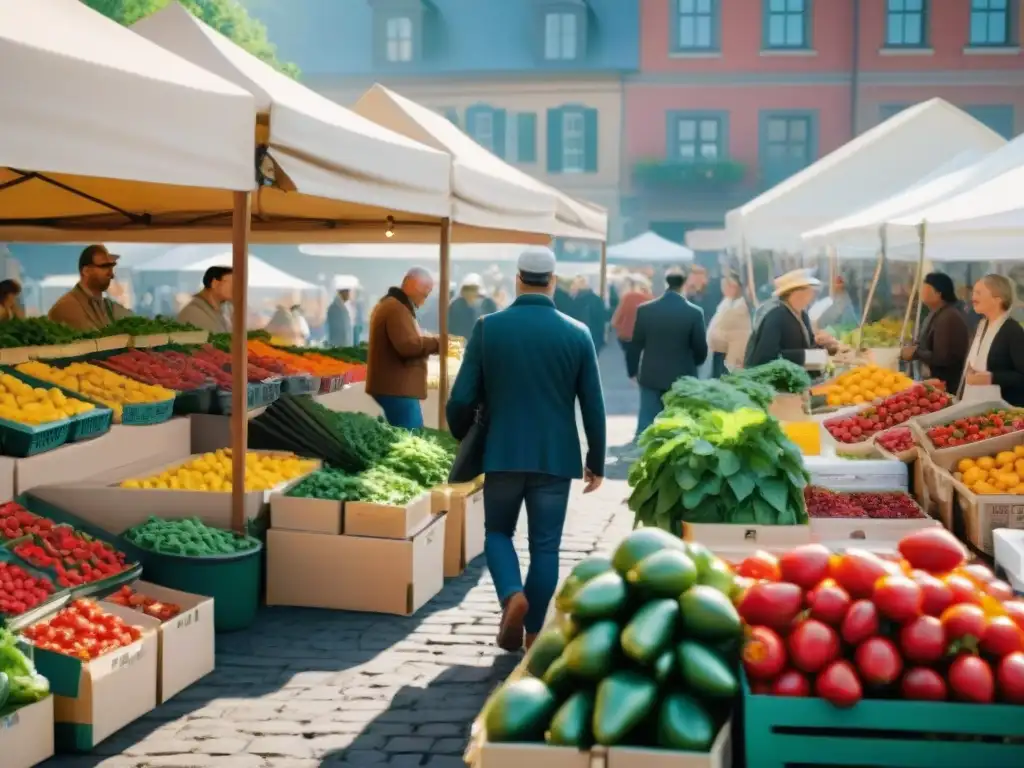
[[554, 140], [526, 135], [498, 117], [590, 140]]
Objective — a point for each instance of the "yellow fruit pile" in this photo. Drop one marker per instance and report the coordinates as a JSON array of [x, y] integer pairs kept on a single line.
[[987, 475], [25, 404], [864, 384], [212, 472], [107, 387]]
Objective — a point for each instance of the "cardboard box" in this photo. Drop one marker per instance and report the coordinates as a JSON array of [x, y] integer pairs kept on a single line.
[[865, 532], [920, 425], [101, 501], [186, 642], [95, 699], [26, 735], [386, 521], [440, 500], [738, 539], [120, 447], [356, 573], [296, 513], [7, 470], [464, 531], [789, 408], [983, 514]]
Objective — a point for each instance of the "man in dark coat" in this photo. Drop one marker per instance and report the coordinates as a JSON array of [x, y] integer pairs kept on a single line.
[[465, 310], [945, 337], [669, 341], [590, 310]]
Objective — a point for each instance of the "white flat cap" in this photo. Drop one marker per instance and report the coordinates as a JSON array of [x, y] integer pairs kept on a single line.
[[345, 282], [536, 261], [472, 280]]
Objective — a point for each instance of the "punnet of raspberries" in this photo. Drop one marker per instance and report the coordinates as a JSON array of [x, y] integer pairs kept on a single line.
[[875, 505]]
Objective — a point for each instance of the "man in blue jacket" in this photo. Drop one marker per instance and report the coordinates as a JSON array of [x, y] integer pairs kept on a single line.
[[527, 366]]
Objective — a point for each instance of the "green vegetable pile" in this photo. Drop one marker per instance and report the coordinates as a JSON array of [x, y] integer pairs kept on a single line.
[[717, 467], [646, 655], [136, 325], [20, 684], [695, 395], [419, 459], [222, 341], [189, 537], [345, 354], [377, 486], [781, 375], [35, 332]]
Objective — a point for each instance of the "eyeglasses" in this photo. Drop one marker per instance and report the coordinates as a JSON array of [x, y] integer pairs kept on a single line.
[[105, 265]]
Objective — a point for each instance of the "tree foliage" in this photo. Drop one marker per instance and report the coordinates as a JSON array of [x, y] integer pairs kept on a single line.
[[228, 17]]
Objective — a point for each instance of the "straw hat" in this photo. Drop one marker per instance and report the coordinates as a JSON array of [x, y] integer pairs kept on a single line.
[[791, 281]]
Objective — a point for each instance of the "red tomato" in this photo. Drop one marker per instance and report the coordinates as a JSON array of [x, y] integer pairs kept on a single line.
[[978, 573], [828, 603], [935, 550], [812, 645], [838, 684], [937, 597], [857, 571], [1002, 637], [764, 654], [771, 604], [923, 640], [1000, 590], [791, 683], [878, 661], [1015, 610], [860, 622], [964, 620], [805, 565], [1010, 678], [760, 565], [963, 589], [923, 684], [971, 679], [898, 598]]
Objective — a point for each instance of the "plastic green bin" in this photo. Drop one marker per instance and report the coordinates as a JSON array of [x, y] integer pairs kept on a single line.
[[84, 425], [253, 399], [271, 390], [22, 440], [303, 384], [199, 400], [145, 414]]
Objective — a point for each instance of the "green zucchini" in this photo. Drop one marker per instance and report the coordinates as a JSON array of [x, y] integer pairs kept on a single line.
[[583, 572], [546, 648], [624, 699], [707, 614], [641, 543], [558, 677], [684, 725], [591, 654], [651, 630], [571, 725], [667, 573], [520, 711], [704, 671], [603, 597]]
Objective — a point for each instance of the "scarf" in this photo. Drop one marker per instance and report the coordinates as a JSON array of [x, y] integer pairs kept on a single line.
[[399, 294]]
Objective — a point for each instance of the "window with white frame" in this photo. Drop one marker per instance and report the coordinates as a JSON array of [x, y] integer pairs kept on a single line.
[[560, 36], [990, 22], [698, 139], [573, 142], [905, 23], [398, 36], [696, 24], [482, 129]]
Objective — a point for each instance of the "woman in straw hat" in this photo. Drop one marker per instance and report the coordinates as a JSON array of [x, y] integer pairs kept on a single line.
[[785, 330]]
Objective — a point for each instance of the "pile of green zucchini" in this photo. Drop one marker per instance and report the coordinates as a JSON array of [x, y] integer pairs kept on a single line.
[[644, 653]]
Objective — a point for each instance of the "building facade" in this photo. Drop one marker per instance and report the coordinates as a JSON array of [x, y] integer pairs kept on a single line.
[[537, 82], [733, 96]]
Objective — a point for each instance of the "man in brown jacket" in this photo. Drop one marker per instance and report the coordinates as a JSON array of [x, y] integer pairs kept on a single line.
[[84, 307], [396, 366]]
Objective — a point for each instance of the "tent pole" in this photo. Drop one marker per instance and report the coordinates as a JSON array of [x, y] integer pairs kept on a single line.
[[604, 271], [748, 257], [922, 231], [442, 319], [915, 289], [833, 268], [871, 290], [239, 355]]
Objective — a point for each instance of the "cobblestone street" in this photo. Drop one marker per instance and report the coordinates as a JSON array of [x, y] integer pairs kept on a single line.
[[305, 688]]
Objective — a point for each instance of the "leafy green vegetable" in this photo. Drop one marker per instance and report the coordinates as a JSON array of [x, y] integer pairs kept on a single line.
[[377, 485], [419, 459], [760, 394], [190, 537], [136, 325], [781, 375], [716, 467], [26, 685], [695, 395], [35, 332]]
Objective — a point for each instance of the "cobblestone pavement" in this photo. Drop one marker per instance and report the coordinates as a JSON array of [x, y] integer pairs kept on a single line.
[[305, 688]]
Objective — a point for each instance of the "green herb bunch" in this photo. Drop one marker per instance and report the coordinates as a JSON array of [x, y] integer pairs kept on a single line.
[[696, 395], [136, 325], [378, 485], [419, 459], [781, 375], [35, 332]]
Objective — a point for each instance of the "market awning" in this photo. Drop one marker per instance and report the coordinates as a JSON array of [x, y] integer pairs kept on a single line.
[[260, 273], [649, 248], [416, 254], [873, 166], [707, 240]]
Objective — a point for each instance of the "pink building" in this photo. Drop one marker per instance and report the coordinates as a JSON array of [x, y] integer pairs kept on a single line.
[[735, 95]]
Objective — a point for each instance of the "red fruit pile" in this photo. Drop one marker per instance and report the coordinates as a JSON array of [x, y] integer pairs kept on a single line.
[[877, 505], [212, 360], [17, 522], [843, 627], [888, 413], [896, 440], [129, 598], [20, 592], [76, 558], [974, 429], [83, 630], [273, 365], [173, 371]]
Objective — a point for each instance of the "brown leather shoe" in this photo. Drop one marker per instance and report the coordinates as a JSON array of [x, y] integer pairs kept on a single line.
[[510, 632], [530, 637]]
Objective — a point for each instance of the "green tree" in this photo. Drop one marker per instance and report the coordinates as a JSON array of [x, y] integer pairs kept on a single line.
[[228, 17]]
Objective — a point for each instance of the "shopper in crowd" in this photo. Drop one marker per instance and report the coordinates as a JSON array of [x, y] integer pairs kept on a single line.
[[396, 373], [527, 366], [341, 313], [84, 307], [784, 330], [206, 309], [636, 291], [996, 356], [563, 298], [669, 341], [590, 309], [729, 329], [466, 309], [944, 339], [10, 300], [841, 311]]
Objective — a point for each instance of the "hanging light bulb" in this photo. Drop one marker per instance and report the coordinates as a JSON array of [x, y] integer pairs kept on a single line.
[[390, 231]]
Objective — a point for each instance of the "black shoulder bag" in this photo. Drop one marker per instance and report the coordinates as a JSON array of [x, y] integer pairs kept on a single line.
[[469, 460]]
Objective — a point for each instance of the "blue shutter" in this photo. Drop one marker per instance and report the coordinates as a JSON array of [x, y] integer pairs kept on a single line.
[[998, 117], [526, 137], [590, 140], [498, 117], [554, 140]]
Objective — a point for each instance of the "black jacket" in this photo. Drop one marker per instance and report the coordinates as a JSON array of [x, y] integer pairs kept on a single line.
[[462, 316], [591, 311], [669, 341], [779, 335], [944, 343], [1006, 361]]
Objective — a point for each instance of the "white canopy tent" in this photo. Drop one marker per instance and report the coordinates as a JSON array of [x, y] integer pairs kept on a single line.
[[707, 240], [260, 274], [649, 248], [876, 164], [417, 253]]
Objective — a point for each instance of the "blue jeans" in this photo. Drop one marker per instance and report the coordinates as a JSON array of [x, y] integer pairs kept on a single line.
[[401, 411], [546, 498], [650, 407]]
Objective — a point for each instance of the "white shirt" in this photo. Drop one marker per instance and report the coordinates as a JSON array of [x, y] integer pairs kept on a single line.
[[977, 358]]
